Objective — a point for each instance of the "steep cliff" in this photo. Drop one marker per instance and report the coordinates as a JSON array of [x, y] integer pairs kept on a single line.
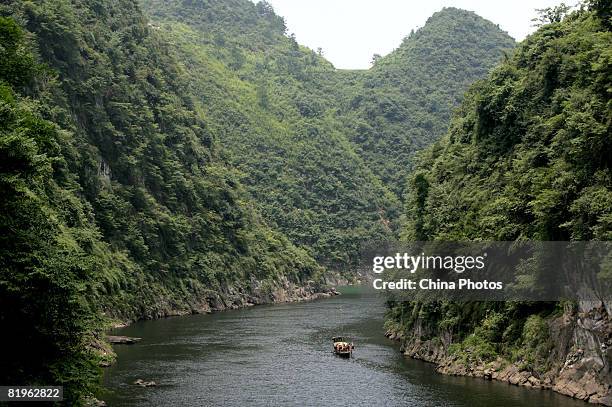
[[528, 156], [115, 195]]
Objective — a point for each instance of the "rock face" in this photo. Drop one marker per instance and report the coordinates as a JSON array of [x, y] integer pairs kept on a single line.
[[231, 297], [94, 402], [580, 359]]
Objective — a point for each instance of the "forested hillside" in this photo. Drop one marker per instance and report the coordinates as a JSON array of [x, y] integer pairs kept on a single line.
[[271, 103], [528, 156], [312, 142], [404, 102], [114, 198], [201, 160]]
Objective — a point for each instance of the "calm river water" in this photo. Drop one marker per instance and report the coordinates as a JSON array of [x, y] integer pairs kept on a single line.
[[278, 355]]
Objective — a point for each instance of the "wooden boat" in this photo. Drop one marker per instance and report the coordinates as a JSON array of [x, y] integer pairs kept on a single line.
[[343, 346]]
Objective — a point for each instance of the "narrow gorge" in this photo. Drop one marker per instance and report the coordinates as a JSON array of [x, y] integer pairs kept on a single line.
[[175, 157]]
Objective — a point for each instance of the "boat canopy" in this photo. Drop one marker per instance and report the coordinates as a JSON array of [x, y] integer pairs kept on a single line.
[[341, 339]]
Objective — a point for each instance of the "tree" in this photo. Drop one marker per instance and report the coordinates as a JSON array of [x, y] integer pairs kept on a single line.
[[551, 14]]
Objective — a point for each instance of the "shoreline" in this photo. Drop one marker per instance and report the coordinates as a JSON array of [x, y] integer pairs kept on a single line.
[[288, 292], [181, 312], [227, 298], [565, 380]]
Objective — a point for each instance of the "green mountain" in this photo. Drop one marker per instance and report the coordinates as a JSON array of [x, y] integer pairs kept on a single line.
[[528, 156], [404, 103], [114, 196], [313, 143], [201, 160], [272, 105]]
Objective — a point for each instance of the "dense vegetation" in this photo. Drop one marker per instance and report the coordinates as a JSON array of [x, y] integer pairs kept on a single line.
[[48, 242], [154, 167], [404, 102], [271, 103], [113, 195], [312, 142], [528, 156]]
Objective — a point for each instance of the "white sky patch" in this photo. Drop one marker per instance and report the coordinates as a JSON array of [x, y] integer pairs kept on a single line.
[[351, 31]]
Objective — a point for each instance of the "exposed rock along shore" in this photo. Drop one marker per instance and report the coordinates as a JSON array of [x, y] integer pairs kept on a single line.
[[581, 368], [122, 340], [231, 297]]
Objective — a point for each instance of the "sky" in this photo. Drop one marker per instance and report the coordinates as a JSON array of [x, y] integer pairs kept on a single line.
[[351, 31]]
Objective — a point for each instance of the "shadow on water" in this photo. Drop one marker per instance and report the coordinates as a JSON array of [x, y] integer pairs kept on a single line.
[[281, 355]]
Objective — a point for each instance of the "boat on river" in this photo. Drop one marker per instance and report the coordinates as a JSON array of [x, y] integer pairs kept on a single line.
[[343, 346]]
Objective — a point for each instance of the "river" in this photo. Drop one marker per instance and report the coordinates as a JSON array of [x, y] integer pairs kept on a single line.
[[276, 355]]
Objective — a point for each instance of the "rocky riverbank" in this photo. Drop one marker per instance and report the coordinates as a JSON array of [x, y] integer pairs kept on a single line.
[[201, 300], [580, 358]]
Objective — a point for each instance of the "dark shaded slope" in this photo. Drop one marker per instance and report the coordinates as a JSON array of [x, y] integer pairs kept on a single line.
[[114, 197]]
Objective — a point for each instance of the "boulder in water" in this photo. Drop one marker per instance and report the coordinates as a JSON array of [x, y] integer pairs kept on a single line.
[[143, 383]]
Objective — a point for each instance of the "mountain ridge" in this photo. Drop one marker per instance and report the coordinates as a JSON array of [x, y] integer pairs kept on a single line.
[[306, 99], [408, 95]]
